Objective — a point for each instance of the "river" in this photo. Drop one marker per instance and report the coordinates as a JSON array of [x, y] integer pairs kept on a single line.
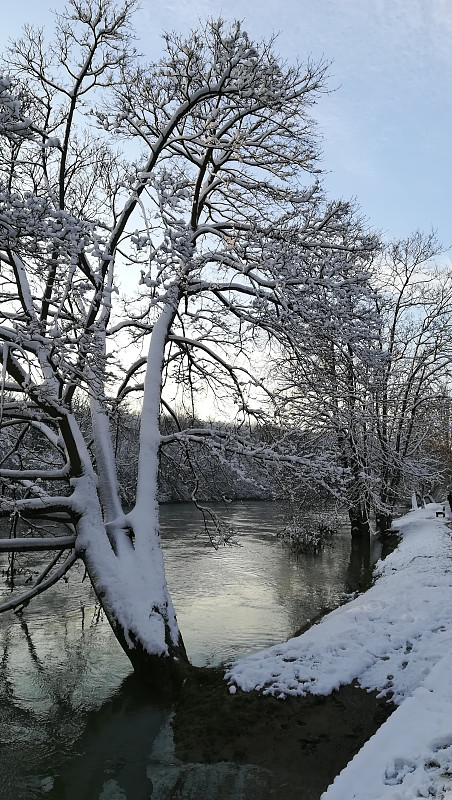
[[71, 725]]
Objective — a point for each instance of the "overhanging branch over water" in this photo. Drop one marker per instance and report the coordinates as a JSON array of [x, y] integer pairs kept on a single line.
[[31, 543]]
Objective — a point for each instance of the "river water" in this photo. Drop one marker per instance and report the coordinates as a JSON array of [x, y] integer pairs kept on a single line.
[[73, 725]]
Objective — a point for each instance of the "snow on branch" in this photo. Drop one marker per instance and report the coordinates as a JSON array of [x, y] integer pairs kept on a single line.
[[13, 125], [27, 544]]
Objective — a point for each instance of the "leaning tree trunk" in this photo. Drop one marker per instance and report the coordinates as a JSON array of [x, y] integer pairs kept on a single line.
[[128, 577], [122, 552]]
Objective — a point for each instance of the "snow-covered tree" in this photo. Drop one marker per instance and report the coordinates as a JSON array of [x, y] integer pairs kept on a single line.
[[415, 308], [156, 270], [373, 382], [327, 372]]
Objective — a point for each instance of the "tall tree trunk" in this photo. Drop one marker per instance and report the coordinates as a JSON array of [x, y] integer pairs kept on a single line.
[[359, 521], [122, 552]]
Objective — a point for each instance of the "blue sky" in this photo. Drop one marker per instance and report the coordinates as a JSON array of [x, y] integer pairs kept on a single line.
[[386, 124]]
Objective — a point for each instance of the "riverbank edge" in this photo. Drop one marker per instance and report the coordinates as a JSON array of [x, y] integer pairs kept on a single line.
[[410, 755], [395, 639], [302, 743]]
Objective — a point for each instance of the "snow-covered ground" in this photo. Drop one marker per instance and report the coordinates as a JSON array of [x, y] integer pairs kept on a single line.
[[395, 638]]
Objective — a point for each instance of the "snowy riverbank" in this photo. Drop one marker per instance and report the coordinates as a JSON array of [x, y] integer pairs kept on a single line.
[[396, 638]]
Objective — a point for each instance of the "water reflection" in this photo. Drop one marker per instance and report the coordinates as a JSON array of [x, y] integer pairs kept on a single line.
[[246, 598], [359, 571], [112, 754], [72, 722]]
